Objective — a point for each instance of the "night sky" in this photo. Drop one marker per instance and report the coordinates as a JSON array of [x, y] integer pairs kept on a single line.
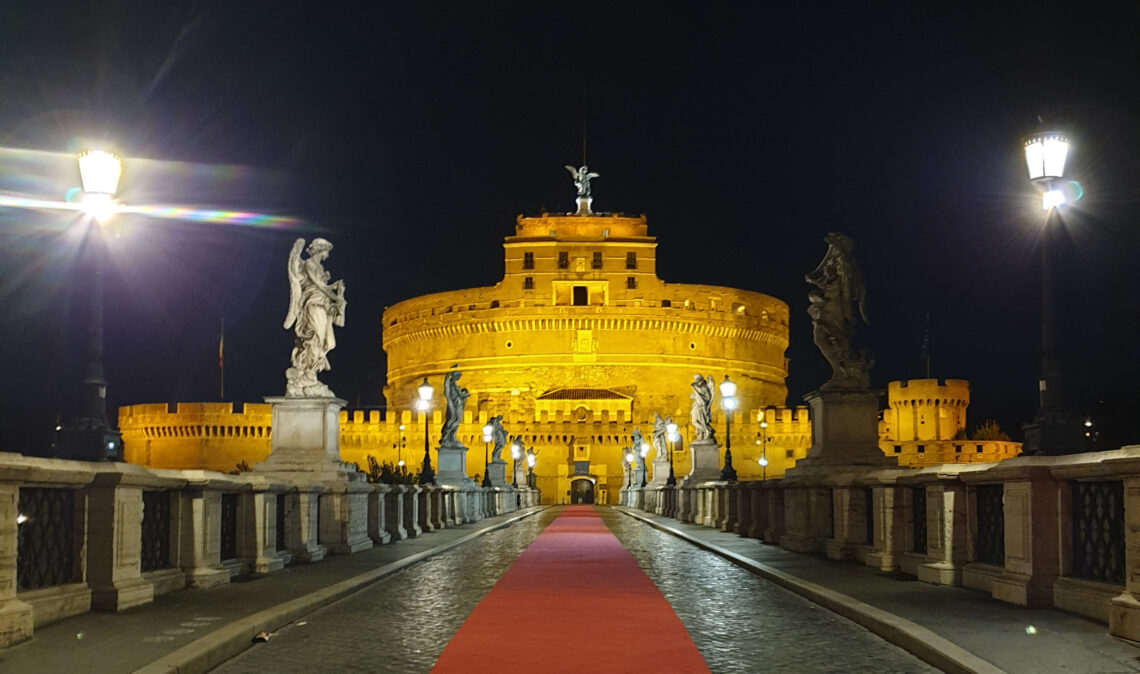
[[411, 135]]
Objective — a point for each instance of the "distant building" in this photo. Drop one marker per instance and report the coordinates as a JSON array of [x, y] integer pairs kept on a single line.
[[925, 424]]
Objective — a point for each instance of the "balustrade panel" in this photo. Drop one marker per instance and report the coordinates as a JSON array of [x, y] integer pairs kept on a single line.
[[45, 553], [1098, 531]]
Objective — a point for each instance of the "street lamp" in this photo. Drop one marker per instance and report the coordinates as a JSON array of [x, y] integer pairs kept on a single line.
[[644, 452], [531, 459], [728, 402], [516, 454], [90, 436], [764, 449], [400, 447], [487, 454], [1053, 430], [427, 475], [671, 436], [629, 462]]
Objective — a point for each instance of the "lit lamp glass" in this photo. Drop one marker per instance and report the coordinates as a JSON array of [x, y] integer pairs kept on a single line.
[[487, 433], [99, 171], [1045, 156]]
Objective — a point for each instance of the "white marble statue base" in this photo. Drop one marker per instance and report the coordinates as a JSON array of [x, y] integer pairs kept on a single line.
[[660, 471], [306, 439], [706, 462], [452, 466], [844, 431], [499, 473]]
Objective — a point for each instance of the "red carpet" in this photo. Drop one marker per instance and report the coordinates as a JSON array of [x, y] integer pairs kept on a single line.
[[574, 601]]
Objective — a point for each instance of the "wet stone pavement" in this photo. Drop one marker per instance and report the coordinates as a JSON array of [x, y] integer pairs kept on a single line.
[[740, 623]]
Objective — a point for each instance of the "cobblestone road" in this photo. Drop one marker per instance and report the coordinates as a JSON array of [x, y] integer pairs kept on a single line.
[[739, 622]]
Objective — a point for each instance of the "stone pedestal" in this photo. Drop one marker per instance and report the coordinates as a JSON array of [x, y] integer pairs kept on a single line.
[[344, 518], [660, 471], [498, 472], [114, 535], [844, 430], [306, 439], [706, 462], [452, 466], [640, 474]]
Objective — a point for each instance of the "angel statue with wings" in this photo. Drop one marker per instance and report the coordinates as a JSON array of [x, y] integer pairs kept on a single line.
[[315, 306], [831, 304], [582, 178], [701, 412]]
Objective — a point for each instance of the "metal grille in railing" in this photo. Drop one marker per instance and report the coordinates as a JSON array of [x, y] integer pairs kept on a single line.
[[990, 542], [1098, 531], [869, 512], [156, 530], [229, 526], [45, 549], [918, 515], [281, 522]]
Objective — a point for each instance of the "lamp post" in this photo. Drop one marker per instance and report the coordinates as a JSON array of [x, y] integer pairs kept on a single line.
[[531, 459], [671, 436], [487, 455], [763, 449], [400, 447], [90, 436], [427, 475], [644, 452], [516, 454], [728, 402], [629, 462], [1053, 430]]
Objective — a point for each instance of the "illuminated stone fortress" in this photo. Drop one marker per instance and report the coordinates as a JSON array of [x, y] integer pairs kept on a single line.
[[579, 345]]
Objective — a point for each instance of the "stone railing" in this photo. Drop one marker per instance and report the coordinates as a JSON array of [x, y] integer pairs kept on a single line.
[[78, 536], [1034, 531]]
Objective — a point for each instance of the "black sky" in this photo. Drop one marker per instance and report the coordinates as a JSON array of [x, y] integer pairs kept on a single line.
[[411, 134]]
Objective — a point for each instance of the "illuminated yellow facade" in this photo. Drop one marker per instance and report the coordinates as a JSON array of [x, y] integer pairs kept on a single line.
[[925, 424], [579, 345]]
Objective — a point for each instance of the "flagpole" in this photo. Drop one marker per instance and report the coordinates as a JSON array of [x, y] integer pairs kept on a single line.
[[222, 361]]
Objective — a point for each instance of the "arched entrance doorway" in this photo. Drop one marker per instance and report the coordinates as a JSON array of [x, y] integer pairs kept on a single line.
[[582, 491]]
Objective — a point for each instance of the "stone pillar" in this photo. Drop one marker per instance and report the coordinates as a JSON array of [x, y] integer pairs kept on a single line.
[[890, 543], [946, 533], [114, 544], [757, 510], [849, 517], [1032, 546], [201, 544], [15, 615], [344, 517], [438, 507], [306, 439], [774, 522], [378, 514], [425, 517], [302, 514], [257, 528], [744, 494], [807, 519], [660, 470], [686, 510], [394, 510], [1124, 611], [413, 499], [729, 506]]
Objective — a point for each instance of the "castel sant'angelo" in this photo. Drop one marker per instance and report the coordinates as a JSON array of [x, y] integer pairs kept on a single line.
[[579, 345]]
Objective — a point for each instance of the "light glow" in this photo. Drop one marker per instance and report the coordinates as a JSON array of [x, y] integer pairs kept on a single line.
[[21, 518], [729, 403], [425, 390], [100, 170], [1052, 199], [1045, 155], [727, 387], [516, 450], [763, 461]]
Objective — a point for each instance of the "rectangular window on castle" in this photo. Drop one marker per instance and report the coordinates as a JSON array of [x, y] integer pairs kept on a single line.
[[922, 449], [631, 282], [666, 303], [581, 296], [528, 283], [631, 260], [898, 449], [563, 260], [597, 262], [528, 260]]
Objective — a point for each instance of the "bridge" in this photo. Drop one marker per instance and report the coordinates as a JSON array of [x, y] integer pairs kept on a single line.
[[120, 568]]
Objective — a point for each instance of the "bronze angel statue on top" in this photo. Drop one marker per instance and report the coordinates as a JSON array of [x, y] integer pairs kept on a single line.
[[832, 302], [315, 306]]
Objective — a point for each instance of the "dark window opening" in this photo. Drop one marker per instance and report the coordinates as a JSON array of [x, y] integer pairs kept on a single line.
[[898, 449], [631, 260], [528, 260], [564, 260], [597, 262], [922, 449], [630, 282], [581, 296], [528, 283], [666, 303]]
